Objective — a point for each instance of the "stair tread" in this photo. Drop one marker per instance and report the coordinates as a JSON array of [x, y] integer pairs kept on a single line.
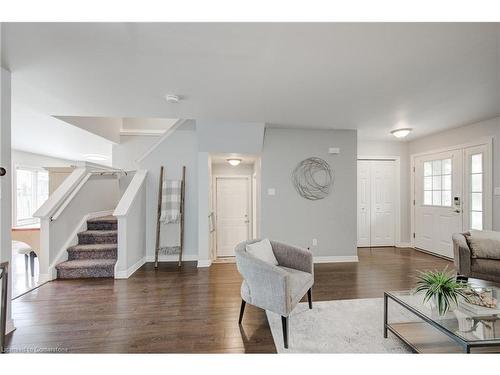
[[93, 247], [86, 263], [99, 232], [106, 219]]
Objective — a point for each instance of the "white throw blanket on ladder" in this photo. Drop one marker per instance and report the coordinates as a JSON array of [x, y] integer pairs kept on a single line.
[[171, 201]]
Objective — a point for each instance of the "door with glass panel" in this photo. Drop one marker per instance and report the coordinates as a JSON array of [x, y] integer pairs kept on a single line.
[[438, 201]]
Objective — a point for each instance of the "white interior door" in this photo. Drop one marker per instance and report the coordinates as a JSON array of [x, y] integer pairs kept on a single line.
[[382, 203], [438, 201], [232, 213], [364, 203], [376, 203]]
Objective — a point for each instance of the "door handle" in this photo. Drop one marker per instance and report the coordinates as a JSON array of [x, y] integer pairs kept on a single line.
[[3, 171], [457, 211]]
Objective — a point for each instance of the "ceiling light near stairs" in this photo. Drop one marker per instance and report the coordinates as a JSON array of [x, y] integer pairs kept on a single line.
[[401, 133], [234, 162]]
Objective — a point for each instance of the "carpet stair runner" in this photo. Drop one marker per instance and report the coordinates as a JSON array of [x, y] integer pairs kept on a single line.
[[96, 252]]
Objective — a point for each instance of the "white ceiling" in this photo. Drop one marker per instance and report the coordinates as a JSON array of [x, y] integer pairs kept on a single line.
[[370, 77]]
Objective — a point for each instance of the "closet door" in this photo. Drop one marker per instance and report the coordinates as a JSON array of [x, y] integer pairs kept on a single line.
[[364, 203], [382, 203]]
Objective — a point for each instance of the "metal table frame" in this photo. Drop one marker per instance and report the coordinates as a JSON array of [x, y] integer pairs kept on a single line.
[[466, 345]]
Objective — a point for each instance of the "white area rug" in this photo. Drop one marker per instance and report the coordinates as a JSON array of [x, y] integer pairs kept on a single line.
[[343, 326]]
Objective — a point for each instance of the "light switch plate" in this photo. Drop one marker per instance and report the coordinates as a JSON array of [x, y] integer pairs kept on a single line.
[[334, 150], [271, 191], [497, 191]]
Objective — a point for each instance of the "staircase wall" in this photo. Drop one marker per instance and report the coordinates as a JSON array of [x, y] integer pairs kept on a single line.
[[131, 215], [100, 194]]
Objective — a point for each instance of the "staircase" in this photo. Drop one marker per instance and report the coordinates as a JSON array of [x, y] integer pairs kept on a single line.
[[96, 252]]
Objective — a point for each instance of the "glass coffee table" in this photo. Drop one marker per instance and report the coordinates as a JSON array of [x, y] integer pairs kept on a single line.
[[464, 329]]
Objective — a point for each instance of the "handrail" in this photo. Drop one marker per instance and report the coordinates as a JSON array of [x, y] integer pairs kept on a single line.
[[69, 198], [4, 277], [57, 198], [130, 194]]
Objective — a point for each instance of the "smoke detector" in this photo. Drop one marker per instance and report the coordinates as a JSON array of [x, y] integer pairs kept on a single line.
[[174, 99]]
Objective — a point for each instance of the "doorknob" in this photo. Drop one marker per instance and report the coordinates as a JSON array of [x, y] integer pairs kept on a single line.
[[3, 171]]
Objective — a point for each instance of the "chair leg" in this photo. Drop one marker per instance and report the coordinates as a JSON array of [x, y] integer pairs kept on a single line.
[[26, 259], [284, 324], [32, 263], [242, 310], [309, 298]]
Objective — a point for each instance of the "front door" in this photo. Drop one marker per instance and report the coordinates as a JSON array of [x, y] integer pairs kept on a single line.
[[232, 213], [438, 201]]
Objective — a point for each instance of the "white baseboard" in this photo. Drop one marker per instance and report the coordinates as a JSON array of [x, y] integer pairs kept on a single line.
[[129, 271], [172, 258], [336, 259], [44, 277], [204, 263], [9, 326], [403, 244]]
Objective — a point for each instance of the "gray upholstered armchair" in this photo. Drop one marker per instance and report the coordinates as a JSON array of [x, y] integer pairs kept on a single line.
[[275, 288]]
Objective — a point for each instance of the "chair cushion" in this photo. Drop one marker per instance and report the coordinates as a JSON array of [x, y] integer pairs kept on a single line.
[[484, 244], [298, 283], [262, 250], [21, 247]]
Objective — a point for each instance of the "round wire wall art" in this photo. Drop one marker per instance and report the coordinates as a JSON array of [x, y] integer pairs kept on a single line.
[[313, 178]]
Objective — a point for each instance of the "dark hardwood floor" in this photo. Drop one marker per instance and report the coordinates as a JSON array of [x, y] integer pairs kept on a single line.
[[189, 310]]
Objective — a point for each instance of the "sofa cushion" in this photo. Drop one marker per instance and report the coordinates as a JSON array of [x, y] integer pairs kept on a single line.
[[262, 250], [484, 244]]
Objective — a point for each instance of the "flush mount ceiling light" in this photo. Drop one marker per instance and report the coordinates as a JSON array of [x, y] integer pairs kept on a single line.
[[174, 99], [95, 157], [401, 133], [234, 162]]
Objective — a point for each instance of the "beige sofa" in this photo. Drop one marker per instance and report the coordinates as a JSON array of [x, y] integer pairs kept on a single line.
[[469, 265]]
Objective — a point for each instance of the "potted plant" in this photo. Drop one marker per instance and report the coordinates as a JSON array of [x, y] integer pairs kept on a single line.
[[441, 288]]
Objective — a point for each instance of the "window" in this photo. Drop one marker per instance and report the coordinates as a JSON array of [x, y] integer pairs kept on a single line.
[[32, 190], [476, 191], [437, 183]]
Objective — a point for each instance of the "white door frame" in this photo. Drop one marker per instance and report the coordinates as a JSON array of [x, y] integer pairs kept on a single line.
[[397, 190], [488, 193], [214, 197]]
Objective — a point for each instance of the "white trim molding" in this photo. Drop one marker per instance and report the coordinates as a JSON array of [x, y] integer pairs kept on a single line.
[[336, 259], [129, 271], [202, 263], [404, 244], [172, 258]]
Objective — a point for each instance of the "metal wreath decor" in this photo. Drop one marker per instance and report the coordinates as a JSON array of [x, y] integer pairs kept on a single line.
[[312, 178]]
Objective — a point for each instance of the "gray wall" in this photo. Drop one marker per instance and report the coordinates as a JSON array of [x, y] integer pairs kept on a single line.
[[289, 217], [179, 149]]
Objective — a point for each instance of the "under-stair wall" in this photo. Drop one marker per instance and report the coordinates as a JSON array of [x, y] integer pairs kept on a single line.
[[131, 215], [82, 196]]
